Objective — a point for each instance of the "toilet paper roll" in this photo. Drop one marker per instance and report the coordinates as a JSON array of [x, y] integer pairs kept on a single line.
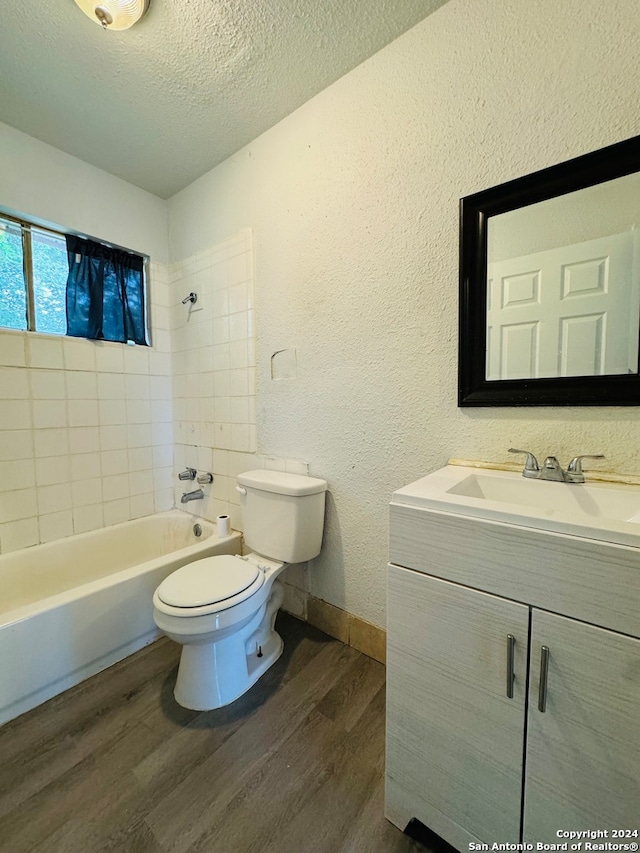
[[224, 528]]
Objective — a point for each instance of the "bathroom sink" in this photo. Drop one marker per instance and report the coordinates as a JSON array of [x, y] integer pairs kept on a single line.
[[608, 512]]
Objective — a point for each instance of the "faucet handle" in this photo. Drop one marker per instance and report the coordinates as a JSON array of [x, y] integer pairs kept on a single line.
[[187, 474], [575, 466], [531, 463]]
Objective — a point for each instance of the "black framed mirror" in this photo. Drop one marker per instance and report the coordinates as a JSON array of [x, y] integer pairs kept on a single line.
[[549, 311]]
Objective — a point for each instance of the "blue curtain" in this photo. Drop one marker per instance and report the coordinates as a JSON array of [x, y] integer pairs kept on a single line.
[[105, 293]]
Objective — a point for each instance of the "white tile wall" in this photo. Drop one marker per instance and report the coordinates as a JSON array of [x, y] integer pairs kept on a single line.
[[210, 370], [214, 371], [213, 361], [86, 433]]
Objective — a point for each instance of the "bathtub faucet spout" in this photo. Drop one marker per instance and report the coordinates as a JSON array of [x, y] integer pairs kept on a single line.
[[196, 495]]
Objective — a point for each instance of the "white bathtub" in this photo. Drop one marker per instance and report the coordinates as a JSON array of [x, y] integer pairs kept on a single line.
[[71, 608]]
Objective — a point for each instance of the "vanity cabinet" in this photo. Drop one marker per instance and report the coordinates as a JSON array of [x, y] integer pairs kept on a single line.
[[469, 751]]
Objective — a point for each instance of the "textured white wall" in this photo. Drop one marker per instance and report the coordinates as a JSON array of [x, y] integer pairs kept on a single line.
[[43, 183], [353, 201]]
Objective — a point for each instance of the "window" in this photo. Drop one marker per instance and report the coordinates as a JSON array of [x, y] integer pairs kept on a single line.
[[49, 268], [34, 269], [13, 295]]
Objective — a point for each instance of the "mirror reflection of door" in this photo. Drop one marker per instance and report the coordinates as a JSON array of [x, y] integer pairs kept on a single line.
[[568, 311]]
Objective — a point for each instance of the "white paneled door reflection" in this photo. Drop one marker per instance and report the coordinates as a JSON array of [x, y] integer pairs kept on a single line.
[[569, 311]]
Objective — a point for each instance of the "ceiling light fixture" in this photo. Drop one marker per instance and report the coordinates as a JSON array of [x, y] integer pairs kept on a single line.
[[114, 14]]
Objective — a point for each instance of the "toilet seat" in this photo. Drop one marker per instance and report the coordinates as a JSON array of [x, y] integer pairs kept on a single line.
[[209, 585]]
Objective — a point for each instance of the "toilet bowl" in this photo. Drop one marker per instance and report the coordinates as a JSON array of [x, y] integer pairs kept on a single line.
[[223, 609]]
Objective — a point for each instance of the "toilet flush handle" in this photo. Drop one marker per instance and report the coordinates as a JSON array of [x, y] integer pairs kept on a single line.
[[241, 489]]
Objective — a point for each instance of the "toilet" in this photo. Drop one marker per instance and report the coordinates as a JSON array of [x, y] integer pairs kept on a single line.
[[223, 609]]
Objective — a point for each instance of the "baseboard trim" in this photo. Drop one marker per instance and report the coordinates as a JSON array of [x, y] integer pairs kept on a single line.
[[348, 628]]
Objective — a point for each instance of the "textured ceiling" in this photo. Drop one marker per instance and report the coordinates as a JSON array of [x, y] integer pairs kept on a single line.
[[195, 80]]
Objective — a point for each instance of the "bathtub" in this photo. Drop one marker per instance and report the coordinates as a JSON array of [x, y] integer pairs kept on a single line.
[[73, 607]]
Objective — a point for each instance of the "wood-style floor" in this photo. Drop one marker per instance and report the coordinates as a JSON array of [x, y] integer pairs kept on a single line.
[[115, 764]]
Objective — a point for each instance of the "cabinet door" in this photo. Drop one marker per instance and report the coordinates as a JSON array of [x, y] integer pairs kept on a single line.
[[583, 752], [454, 739]]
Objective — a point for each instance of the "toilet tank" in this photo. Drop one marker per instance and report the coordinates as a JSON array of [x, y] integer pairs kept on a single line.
[[282, 514]]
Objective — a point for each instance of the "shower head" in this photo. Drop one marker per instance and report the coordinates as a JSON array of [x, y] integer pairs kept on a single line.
[[192, 297]]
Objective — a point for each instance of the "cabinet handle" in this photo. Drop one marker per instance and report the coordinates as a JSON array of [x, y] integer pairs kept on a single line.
[[511, 648], [544, 672]]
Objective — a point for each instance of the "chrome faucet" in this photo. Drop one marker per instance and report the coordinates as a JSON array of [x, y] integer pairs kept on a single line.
[[187, 474], [196, 495], [551, 468]]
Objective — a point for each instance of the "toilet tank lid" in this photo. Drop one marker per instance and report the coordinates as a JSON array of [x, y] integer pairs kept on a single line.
[[282, 483]]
